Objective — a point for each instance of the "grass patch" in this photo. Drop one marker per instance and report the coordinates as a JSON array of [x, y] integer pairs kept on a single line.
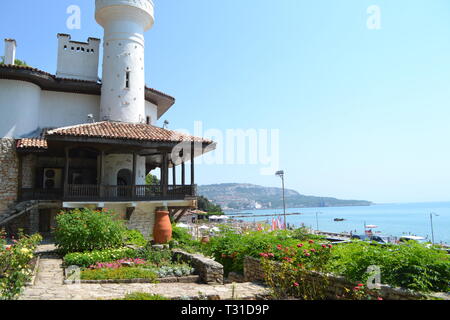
[[144, 296]]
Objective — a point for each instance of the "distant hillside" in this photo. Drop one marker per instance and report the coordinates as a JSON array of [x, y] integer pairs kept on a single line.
[[247, 196]]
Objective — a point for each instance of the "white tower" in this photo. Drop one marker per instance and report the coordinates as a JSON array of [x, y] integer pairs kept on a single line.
[[123, 80]]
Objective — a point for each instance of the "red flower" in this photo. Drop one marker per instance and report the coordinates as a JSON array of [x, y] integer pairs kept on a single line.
[[324, 246], [311, 241], [313, 250], [360, 285], [307, 254], [330, 246], [356, 288], [380, 298], [271, 255], [300, 245], [296, 284]]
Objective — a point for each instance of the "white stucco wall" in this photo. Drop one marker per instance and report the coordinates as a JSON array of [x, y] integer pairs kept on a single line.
[[116, 162], [60, 109], [19, 108], [77, 60], [151, 111]]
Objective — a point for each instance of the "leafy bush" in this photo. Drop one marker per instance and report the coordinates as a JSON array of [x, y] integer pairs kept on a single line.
[[87, 259], [15, 268], [135, 237], [86, 230], [156, 257], [125, 273], [230, 248], [412, 266]]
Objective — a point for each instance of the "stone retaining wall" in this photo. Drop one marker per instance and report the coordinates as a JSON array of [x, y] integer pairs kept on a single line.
[[9, 170], [210, 271], [253, 272]]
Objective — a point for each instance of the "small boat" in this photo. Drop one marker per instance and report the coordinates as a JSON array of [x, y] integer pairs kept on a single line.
[[339, 219]]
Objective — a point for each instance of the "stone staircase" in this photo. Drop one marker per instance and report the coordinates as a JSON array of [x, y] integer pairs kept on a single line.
[[16, 211]]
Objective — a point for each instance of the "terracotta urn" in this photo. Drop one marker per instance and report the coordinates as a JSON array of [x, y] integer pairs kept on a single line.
[[162, 232]]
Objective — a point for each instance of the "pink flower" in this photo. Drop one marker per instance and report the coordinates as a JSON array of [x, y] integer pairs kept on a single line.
[[380, 298], [296, 284], [300, 245], [311, 241]]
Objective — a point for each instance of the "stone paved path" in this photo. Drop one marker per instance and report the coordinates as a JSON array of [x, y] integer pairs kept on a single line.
[[49, 286]]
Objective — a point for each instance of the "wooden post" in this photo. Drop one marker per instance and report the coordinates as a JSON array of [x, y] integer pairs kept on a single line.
[[133, 177], [66, 172], [101, 173], [174, 174], [165, 173], [183, 173]]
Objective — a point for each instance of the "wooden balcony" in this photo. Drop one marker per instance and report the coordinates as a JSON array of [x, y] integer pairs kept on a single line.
[[99, 193]]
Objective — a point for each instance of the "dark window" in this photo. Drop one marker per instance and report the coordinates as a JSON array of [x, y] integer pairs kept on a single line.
[[149, 120], [127, 80]]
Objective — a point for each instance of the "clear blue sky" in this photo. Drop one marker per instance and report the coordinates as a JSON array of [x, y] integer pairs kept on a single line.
[[363, 114]]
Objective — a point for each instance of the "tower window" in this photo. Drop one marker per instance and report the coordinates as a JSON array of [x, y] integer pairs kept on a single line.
[[127, 80]]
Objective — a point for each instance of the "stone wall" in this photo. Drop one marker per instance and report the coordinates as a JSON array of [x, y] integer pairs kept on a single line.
[[143, 219], [253, 272], [9, 169], [210, 271], [28, 168]]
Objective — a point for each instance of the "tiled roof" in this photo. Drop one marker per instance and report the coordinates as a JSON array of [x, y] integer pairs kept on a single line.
[[32, 143], [123, 131]]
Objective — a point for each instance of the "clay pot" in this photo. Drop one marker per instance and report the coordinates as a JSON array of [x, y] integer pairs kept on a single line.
[[162, 232], [205, 239]]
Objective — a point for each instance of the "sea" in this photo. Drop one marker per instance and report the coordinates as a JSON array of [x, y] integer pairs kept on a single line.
[[394, 220]]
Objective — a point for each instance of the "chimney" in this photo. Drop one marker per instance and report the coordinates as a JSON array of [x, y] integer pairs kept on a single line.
[[10, 51]]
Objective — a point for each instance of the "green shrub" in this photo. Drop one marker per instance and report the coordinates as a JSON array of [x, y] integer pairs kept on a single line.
[[412, 266], [125, 273], [230, 248], [156, 257], [87, 259], [15, 268], [86, 230], [144, 296], [135, 237]]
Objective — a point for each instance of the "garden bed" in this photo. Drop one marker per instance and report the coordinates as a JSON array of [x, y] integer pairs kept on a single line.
[[338, 285]]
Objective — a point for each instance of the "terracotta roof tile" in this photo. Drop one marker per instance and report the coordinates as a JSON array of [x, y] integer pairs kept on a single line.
[[124, 131], [32, 143]]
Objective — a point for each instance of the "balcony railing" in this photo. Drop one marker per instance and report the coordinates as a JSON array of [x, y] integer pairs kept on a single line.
[[93, 193]]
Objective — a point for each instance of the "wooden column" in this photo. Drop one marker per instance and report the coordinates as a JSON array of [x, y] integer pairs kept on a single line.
[[174, 174], [101, 173], [183, 173], [133, 177], [165, 173], [66, 171]]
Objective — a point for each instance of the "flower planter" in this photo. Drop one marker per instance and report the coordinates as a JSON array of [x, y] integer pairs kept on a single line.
[[162, 231]]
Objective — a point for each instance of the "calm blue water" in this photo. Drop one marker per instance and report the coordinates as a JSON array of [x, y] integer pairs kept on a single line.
[[392, 219]]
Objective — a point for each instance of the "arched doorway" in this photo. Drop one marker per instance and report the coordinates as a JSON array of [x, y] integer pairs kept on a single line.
[[124, 181]]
